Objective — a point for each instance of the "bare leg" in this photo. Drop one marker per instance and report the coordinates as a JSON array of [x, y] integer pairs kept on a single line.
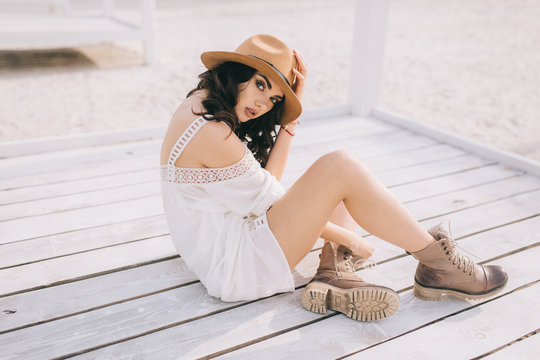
[[300, 216], [340, 216], [341, 229]]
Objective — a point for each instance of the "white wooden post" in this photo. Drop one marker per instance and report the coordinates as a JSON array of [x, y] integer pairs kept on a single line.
[[147, 25], [107, 7], [370, 22]]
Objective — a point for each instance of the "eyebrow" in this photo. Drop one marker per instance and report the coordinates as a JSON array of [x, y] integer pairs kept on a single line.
[[270, 85]]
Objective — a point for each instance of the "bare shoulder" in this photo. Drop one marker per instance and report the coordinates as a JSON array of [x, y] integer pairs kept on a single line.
[[217, 145], [214, 145]]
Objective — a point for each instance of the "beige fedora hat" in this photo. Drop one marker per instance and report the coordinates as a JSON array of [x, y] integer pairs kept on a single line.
[[273, 58]]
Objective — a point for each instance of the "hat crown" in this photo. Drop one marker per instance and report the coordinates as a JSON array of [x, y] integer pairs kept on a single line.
[[271, 50], [271, 57]]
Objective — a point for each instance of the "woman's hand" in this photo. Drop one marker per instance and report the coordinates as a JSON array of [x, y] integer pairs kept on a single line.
[[301, 74], [362, 248]]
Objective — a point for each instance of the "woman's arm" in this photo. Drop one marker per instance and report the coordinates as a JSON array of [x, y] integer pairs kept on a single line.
[[280, 151]]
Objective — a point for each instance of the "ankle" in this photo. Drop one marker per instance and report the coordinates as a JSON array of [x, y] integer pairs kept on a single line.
[[425, 242]]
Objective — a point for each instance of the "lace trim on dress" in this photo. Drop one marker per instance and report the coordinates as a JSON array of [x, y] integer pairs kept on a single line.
[[184, 139], [178, 175]]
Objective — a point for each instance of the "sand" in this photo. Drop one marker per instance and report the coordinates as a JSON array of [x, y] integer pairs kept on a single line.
[[468, 67]]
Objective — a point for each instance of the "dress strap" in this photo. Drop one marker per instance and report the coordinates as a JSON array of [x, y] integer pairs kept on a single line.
[[184, 139]]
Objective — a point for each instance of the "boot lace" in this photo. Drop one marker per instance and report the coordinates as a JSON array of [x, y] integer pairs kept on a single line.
[[355, 263], [456, 257]]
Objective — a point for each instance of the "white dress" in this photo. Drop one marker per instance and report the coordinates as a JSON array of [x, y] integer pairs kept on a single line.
[[217, 221]]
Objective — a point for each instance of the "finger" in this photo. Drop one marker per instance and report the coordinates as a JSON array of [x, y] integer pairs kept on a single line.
[[300, 58], [298, 74]]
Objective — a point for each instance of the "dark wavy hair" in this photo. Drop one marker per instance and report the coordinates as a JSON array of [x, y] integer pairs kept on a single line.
[[221, 84]]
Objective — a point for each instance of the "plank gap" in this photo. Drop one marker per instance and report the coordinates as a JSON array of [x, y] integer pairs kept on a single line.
[[75, 193], [436, 176], [82, 207], [514, 176], [84, 251], [298, 326], [532, 333], [81, 178], [99, 307], [88, 276], [443, 318], [80, 229]]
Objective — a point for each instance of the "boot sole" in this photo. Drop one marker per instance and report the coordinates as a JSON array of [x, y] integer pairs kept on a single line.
[[433, 294], [367, 303]]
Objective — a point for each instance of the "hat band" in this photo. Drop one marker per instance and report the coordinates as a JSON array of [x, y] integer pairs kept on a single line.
[[275, 68]]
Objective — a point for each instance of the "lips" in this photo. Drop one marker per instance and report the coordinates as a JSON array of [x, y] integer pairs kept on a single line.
[[251, 113]]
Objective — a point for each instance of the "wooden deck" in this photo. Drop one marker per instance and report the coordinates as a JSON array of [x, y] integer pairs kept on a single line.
[[87, 268]]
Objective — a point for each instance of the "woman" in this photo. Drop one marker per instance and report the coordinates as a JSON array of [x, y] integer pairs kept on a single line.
[[241, 233]]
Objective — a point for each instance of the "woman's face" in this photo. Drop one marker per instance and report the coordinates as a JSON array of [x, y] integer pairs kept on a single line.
[[256, 97]]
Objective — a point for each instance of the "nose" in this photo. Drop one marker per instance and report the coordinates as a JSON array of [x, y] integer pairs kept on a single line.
[[262, 103]]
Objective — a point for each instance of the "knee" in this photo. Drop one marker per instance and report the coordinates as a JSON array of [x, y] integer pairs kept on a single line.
[[337, 157], [341, 160]]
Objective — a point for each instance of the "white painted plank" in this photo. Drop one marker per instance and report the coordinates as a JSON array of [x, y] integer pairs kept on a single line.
[[398, 141], [86, 264], [475, 147], [393, 177], [338, 335], [66, 243], [161, 298], [523, 349], [43, 165], [87, 239], [116, 321], [84, 295], [79, 201], [38, 192], [465, 222], [455, 181], [208, 335], [60, 160], [430, 170], [115, 194], [70, 220], [89, 172], [436, 152], [494, 214], [478, 330], [102, 291], [397, 274], [85, 199], [75, 141], [362, 143], [462, 199], [352, 140], [499, 244], [36, 226]]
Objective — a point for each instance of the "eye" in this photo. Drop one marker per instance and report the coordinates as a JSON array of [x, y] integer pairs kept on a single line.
[[274, 100], [260, 84]]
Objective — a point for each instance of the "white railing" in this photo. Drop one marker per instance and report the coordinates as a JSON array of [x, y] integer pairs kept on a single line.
[[58, 25]]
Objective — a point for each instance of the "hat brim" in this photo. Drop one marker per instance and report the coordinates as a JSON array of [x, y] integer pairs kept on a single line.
[[292, 108]]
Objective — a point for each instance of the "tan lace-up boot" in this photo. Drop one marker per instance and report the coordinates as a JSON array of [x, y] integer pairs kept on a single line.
[[443, 270], [335, 286]]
